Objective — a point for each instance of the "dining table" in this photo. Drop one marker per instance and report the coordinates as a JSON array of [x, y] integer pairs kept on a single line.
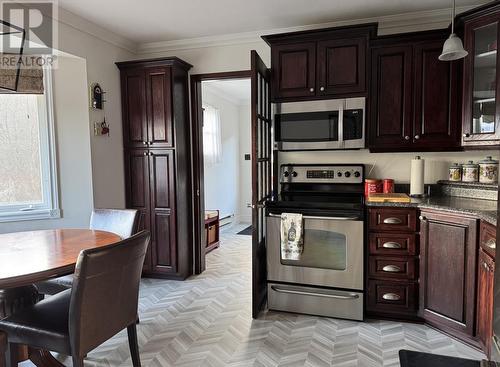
[[33, 256]]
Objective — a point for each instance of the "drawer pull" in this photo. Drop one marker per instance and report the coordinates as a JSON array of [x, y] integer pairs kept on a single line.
[[391, 244], [392, 220], [391, 297], [492, 244], [315, 294], [391, 269]]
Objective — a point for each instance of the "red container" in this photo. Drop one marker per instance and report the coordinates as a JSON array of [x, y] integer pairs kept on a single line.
[[373, 187], [388, 186]]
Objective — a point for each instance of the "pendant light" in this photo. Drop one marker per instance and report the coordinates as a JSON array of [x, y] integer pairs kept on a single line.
[[453, 49]]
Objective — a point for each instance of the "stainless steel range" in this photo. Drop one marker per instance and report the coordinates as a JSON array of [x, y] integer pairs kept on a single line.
[[327, 277]]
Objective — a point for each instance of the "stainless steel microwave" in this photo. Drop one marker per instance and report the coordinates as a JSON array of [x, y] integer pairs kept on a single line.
[[320, 125]]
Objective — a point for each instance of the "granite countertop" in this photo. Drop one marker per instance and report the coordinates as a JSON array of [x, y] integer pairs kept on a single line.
[[483, 209]]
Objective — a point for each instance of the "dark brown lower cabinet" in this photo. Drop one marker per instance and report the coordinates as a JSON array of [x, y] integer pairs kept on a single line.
[[448, 248], [485, 276]]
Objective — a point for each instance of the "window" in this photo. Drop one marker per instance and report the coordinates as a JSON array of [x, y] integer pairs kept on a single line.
[[212, 145], [28, 181]]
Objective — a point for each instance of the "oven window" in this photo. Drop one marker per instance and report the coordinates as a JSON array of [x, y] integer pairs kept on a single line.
[[322, 249], [352, 124], [310, 126]]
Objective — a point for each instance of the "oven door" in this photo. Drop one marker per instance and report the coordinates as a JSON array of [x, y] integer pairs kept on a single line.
[[332, 255]]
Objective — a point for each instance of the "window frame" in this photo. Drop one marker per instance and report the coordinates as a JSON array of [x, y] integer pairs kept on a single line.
[[49, 209]]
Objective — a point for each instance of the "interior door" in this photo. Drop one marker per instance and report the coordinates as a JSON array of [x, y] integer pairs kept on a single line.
[[261, 176]]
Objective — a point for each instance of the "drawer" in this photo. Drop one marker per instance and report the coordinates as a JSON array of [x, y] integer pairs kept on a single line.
[[488, 238], [393, 219], [392, 297], [393, 244], [315, 301], [404, 268]]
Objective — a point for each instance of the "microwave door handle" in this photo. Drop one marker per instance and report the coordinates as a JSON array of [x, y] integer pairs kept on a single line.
[[341, 124]]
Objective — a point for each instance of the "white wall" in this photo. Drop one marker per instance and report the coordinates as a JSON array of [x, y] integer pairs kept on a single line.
[[390, 165], [73, 149], [221, 179], [245, 213]]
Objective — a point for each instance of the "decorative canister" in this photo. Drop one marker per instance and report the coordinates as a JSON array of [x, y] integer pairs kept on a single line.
[[470, 172], [388, 186], [373, 186], [488, 171], [455, 172]]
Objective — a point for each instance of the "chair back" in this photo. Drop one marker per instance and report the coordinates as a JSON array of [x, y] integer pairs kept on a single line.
[[123, 222], [105, 292]]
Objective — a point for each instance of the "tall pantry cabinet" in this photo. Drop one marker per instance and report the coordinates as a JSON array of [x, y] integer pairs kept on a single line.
[[157, 160]]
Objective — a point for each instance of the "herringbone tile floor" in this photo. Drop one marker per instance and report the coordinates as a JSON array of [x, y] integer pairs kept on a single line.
[[206, 321]]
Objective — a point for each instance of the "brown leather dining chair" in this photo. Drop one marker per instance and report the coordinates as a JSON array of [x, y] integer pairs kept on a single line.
[[102, 302], [123, 222]]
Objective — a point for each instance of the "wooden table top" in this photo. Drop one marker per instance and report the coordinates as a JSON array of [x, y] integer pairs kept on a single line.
[[29, 257]]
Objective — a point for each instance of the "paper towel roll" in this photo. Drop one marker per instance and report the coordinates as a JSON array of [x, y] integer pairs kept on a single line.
[[417, 177]]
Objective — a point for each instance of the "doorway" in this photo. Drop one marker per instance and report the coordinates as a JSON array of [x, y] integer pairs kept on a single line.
[[221, 155]]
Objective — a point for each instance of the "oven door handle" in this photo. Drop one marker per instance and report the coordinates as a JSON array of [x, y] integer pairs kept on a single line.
[[305, 293], [317, 217]]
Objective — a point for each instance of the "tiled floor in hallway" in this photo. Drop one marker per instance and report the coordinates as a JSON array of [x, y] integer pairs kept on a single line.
[[206, 321]]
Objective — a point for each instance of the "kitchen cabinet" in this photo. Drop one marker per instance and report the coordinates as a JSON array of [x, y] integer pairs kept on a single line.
[[413, 95], [319, 64], [157, 163], [392, 282], [481, 87], [448, 248], [485, 276]]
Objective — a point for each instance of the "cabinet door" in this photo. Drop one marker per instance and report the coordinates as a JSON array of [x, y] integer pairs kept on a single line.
[[448, 249], [159, 107], [484, 328], [391, 106], [137, 191], [163, 231], [135, 133], [436, 125], [341, 66], [481, 111], [294, 70]]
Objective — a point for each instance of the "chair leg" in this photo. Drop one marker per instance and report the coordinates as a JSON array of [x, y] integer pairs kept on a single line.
[[77, 361], [12, 355], [134, 346]]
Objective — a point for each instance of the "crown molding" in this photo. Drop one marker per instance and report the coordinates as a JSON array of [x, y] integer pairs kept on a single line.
[[85, 26], [389, 24]]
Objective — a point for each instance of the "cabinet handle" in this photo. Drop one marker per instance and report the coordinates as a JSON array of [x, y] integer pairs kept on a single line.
[[407, 137], [145, 142], [150, 153], [466, 135], [391, 269], [392, 220], [150, 142], [391, 244], [492, 244], [422, 218], [391, 297], [417, 137], [311, 90], [145, 153], [322, 89]]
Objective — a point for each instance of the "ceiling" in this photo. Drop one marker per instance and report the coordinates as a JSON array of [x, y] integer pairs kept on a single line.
[[168, 20], [234, 90]]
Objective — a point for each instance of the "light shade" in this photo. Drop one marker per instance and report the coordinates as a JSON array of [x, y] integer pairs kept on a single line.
[[453, 49]]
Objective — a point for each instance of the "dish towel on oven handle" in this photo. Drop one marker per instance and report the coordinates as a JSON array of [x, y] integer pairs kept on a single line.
[[292, 238]]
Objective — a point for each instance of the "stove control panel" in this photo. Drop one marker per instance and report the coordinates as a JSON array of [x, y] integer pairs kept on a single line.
[[341, 173]]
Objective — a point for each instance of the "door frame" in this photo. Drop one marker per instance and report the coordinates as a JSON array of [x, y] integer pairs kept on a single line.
[[197, 160]]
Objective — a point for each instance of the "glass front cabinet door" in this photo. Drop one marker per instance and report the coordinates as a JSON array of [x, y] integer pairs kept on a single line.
[[481, 114]]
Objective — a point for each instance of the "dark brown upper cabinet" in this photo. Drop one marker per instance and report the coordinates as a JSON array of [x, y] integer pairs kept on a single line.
[[414, 96], [147, 102], [481, 83], [320, 64]]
